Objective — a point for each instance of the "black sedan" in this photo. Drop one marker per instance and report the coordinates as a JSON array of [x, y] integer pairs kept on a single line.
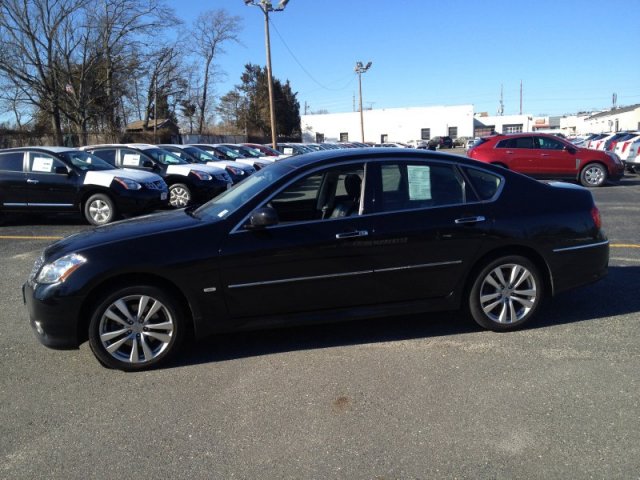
[[320, 237]]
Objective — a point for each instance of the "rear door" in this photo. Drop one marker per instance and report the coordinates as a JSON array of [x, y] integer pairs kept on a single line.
[[426, 229], [13, 180]]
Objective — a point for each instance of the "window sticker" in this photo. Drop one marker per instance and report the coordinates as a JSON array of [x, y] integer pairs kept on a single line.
[[42, 164], [288, 150], [419, 182], [131, 160]]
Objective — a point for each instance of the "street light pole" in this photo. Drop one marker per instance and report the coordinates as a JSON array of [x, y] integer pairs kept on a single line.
[[360, 69], [266, 7]]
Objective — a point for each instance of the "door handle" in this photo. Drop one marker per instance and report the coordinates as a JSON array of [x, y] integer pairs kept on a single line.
[[509, 152], [357, 233], [545, 154], [462, 221], [31, 180]]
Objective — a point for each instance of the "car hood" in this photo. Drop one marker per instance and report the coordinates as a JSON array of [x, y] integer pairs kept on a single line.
[[105, 177], [230, 163], [147, 225]]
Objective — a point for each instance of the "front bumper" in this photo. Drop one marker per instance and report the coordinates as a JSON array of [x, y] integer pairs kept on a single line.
[[53, 318], [144, 200]]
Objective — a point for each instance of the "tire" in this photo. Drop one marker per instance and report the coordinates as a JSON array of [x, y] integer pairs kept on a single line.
[[506, 293], [179, 195], [593, 175], [136, 328], [99, 209]]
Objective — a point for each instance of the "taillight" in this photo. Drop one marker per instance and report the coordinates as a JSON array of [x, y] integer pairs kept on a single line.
[[625, 145], [595, 215]]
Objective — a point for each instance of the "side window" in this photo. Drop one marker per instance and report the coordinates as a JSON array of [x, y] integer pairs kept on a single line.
[[549, 143], [43, 163], [331, 193], [130, 158], [485, 184], [412, 186], [11, 161], [108, 156], [507, 143], [523, 142]]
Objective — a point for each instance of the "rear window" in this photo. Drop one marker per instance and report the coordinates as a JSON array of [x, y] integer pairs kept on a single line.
[[11, 161]]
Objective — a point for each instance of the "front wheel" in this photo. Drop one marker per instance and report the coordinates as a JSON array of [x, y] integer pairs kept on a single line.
[[593, 175], [179, 195], [506, 293], [99, 209], [136, 328]]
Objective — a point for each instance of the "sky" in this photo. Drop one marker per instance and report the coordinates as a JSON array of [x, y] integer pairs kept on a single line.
[[570, 55]]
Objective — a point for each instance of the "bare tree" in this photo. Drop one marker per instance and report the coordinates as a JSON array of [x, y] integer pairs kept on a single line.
[[30, 54], [212, 30]]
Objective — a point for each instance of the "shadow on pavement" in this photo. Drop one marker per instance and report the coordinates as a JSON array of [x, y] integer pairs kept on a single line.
[[615, 295]]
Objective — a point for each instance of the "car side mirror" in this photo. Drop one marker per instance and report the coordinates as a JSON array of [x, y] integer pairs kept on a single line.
[[61, 170], [571, 150], [262, 217], [148, 164]]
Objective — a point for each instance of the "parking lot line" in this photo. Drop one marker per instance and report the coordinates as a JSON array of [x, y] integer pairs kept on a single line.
[[624, 245], [29, 237]]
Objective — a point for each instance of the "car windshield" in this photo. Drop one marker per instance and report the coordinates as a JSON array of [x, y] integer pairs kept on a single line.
[[85, 161], [228, 202], [228, 152], [164, 157], [200, 155], [251, 152]]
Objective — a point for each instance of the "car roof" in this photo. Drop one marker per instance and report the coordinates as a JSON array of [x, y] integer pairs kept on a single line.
[[372, 153], [45, 148]]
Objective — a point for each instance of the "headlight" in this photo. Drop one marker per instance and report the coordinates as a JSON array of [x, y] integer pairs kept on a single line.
[[235, 171], [59, 270], [128, 184], [201, 175]]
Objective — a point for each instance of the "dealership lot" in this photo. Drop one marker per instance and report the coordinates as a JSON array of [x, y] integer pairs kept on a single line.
[[405, 397]]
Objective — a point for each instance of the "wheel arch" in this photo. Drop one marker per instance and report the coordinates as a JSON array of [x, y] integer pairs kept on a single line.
[[521, 250], [104, 288], [586, 164]]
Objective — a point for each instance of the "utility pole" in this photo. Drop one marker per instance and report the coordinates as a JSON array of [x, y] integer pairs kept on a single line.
[[360, 69], [266, 7], [520, 97]]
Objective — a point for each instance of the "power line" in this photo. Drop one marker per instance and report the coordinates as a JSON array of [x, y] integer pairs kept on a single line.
[[324, 87]]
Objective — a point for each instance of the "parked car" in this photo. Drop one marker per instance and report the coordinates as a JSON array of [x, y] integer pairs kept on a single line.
[[441, 142], [187, 183], [265, 150], [229, 171], [254, 157], [291, 149], [61, 179], [632, 159], [227, 155], [540, 155], [313, 239]]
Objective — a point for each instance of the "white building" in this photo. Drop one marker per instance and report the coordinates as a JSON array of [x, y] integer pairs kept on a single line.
[[409, 125], [390, 124]]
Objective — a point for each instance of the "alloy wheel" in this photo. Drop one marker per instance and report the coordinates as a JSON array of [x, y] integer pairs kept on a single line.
[[508, 293], [136, 329]]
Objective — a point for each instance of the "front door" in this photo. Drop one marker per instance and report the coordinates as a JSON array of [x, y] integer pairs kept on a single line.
[[52, 184], [316, 258]]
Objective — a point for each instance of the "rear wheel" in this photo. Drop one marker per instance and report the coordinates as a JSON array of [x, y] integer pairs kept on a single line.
[[593, 175], [506, 293], [179, 195], [136, 328], [99, 209]]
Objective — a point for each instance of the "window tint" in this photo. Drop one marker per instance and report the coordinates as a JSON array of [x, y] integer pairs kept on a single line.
[[518, 142], [43, 163], [549, 143], [484, 183], [407, 186], [11, 161]]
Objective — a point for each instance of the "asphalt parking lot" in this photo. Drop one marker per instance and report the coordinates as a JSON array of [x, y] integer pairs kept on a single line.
[[404, 397]]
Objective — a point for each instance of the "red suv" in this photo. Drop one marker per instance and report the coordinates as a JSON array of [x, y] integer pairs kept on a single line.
[[547, 156]]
